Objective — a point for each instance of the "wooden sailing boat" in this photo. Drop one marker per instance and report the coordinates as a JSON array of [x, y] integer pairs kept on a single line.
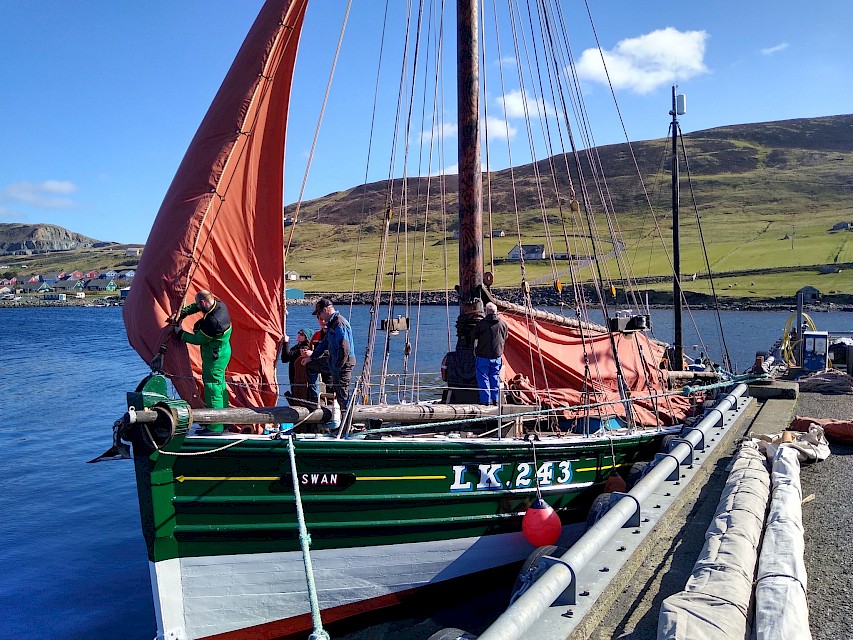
[[226, 520]]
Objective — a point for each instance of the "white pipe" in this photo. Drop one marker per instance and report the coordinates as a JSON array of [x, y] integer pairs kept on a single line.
[[526, 610]]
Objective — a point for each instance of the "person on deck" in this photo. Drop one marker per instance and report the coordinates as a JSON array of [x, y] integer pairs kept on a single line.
[[213, 335], [299, 387], [315, 374], [336, 348], [490, 335]]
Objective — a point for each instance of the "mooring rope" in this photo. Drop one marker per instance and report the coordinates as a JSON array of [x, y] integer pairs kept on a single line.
[[305, 542]]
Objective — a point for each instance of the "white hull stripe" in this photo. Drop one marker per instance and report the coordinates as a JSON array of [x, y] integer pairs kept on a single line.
[[199, 597]]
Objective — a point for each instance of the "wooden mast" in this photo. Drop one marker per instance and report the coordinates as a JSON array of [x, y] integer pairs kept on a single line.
[[461, 381], [470, 178]]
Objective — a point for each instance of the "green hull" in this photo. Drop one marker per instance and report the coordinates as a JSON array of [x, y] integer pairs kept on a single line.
[[209, 500]]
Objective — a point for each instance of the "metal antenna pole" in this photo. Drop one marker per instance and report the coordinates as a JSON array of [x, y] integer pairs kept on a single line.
[[677, 363]]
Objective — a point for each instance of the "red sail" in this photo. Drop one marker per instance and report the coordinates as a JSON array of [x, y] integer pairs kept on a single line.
[[220, 224], [560, 382]]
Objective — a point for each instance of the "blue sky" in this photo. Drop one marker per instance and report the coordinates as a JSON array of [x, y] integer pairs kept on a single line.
[[100, 98]]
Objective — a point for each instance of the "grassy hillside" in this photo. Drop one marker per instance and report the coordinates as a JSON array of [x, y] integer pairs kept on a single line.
[[102, 259], [767, 195]]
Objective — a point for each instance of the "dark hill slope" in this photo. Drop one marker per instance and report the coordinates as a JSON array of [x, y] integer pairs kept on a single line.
[[777, 162], [41, 238]]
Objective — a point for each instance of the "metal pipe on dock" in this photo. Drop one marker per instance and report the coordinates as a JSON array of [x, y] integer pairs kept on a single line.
[[524, 612]]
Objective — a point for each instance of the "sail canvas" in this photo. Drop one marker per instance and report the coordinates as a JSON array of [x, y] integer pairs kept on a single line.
[[220, 225]]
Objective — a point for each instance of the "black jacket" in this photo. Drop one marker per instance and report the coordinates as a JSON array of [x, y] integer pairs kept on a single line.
[[490, 334], [214, 323]]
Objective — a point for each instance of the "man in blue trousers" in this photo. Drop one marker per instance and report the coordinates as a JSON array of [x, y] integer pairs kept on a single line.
[[490, 334]]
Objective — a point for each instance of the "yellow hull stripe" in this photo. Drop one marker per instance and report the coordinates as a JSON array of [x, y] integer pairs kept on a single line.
[[275, 478], [401, 477], [222, 478], [603, 467]]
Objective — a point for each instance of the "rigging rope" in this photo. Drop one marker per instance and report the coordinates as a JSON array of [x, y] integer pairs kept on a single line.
[[727, 363]]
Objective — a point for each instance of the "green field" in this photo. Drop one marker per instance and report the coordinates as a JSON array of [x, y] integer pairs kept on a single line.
[[736, 242], [337, 261]]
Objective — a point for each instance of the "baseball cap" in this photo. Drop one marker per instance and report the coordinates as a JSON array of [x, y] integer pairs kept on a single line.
[[321, 304]]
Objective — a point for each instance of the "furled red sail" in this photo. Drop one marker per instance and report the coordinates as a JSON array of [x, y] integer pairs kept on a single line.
[[220, 224], [551, 357]]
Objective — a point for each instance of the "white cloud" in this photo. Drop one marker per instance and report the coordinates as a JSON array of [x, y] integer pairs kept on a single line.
[[507, 61], [769, 51], [47, 195], [452, 170], [644, 63], [513, 105], [500, 129], [440, 131]]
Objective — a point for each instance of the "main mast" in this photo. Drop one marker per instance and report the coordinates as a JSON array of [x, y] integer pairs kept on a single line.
[[461, 381], [470, 178]]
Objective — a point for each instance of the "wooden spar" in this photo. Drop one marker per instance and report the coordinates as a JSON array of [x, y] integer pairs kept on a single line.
[[679, 376], [513, 309], [410, 413], [510, 308], [470, 178], [435, 412]]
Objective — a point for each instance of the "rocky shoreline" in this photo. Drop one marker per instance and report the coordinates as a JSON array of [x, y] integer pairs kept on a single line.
[[545, 296], [540, 297]]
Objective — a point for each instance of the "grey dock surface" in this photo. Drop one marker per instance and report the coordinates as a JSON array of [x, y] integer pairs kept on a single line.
[[631, 608]]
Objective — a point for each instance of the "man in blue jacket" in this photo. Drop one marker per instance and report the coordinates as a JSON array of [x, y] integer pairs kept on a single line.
[[336, 348]]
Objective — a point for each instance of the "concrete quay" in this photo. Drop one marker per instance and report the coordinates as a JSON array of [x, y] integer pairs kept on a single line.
[[630, 608]]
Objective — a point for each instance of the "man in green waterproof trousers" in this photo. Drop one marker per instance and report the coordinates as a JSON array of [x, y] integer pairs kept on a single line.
[[213, 334]]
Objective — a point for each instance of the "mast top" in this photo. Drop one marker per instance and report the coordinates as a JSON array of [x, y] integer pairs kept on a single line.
[[679, 103]]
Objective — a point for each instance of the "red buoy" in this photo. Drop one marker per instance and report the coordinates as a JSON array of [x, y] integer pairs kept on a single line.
[[541, 524]]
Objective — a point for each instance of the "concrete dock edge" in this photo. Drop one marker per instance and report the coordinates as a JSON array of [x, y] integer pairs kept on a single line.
[[612, 606]]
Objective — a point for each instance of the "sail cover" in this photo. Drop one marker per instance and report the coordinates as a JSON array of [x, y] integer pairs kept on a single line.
[[552, 359], [220, 224]]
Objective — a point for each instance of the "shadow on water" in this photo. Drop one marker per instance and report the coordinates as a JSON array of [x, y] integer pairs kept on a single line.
[[471, 604]]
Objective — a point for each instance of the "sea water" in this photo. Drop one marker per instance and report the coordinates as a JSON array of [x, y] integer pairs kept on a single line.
[[72, 558]]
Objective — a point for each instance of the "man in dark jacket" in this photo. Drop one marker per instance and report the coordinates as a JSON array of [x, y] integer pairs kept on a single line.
[[490, 335], [213, 334], [337, 346]]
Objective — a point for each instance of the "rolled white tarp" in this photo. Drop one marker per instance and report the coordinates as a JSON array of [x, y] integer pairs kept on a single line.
[[714, 604], [781, 608]]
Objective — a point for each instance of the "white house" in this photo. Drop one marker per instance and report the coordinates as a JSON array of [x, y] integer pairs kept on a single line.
[[528, 251]]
